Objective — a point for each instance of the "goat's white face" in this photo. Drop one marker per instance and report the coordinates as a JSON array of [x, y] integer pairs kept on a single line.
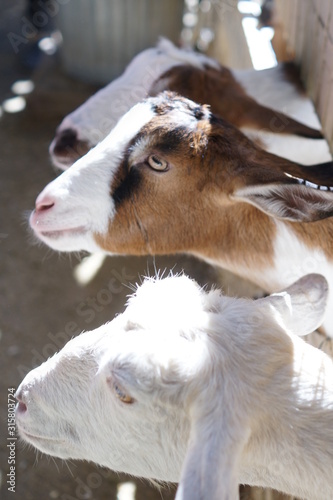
[[154, 185], [168, 380], [63, 218], [115, 395], [92, 196], [94, 400]]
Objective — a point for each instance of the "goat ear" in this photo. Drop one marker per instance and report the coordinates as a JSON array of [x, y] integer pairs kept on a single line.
[[293, 202], [262, 117], [301, 307], [215, 445]]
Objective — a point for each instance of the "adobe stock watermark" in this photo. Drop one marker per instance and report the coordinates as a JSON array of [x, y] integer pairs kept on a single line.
[[87, 309], [29, 28], [11, 440]]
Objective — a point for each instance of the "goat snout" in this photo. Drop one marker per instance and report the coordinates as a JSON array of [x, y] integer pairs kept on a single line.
[[44, 202], [65, 139], [21, 406], [66, 148]]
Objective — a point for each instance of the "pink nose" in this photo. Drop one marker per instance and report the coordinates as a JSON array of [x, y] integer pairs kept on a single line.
[[22, 407], [44, 202]]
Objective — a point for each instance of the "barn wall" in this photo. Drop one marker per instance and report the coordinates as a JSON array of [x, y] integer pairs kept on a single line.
[[307, 27]]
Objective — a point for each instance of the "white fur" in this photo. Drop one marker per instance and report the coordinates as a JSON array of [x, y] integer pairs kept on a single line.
[[60, 224], [221, 392], [293, 259]]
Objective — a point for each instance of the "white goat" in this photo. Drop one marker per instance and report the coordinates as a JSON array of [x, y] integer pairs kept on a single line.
[[193, 387], [173, 178], [203, 80]]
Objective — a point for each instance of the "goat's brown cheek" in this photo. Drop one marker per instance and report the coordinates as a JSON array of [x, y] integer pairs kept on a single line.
[[123, 235]]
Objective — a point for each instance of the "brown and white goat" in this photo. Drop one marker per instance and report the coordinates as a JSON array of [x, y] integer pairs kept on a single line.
[[173, 178], [251, 100]]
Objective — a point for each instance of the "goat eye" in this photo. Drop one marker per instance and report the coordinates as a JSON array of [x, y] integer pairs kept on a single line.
[[157, 163], [125, 398]]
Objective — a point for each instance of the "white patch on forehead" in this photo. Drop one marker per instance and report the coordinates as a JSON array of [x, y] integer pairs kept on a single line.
[[127, 128], [183, 118]]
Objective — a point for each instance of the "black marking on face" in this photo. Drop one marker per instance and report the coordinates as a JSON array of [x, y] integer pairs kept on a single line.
[[127, 186], [65, 139], [169, 140], [162, 139], [198, 113]]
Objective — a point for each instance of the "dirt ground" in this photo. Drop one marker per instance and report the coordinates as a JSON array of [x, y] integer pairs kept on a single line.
[[40, 299]]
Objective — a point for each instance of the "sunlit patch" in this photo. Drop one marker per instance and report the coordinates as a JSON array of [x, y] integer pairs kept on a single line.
[[87, 269], [22, 87], [190, 19], [48, 45], [14, 104], [206, 36], [249, 8], [261, 50], [126, 491]]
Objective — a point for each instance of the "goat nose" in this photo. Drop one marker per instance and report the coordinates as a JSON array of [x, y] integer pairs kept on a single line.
[[44, 202], [21, 407], [65, 139]]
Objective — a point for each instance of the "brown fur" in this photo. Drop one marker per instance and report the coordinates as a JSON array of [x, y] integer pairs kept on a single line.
[[189, 208], [316, 235], [227, 98]]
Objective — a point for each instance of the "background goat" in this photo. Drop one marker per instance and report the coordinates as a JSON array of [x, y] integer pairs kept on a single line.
[[172, 177], [194, 387], [205, 81]]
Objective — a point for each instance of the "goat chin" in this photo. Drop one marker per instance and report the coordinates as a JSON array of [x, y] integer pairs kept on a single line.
[[173, 397]]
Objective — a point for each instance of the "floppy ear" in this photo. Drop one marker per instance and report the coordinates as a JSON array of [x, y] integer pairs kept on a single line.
[[216, 442], [262, 117], [294, 202], [301, 306]]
